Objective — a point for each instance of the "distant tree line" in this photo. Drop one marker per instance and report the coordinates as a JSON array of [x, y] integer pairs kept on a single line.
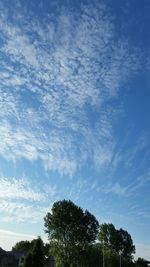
[[77, 240]]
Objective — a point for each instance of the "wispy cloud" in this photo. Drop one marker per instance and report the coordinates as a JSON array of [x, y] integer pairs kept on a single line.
[[56, 70], [61, 102], [130, 189], [116, 189], [22, 212], [9, 238], [16, 234], [12, 188], [142, 144], [23, 200], [139, 182]]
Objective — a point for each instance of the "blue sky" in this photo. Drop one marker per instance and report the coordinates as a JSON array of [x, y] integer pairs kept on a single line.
[[74, 114]]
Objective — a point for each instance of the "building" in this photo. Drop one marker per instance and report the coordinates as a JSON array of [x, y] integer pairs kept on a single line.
[[7, 259]]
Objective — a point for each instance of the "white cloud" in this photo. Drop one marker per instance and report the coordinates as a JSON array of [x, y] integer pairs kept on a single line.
[[22, 212], [116, 189], [12, 188], [103, 155], [57, 68], [139, 182], [140, 144], [22, 201]]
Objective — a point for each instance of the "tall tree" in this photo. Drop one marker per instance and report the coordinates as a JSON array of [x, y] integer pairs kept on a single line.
[[118, 241], [35, 256], [38, 253], [71, 231], [108, 235], [125, 244]]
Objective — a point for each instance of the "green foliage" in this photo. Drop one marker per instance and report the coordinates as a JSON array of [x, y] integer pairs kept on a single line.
[[38, 253], [35, 257], [111, 258], [28, 261], [22, 246], [92, 256], [117, 241], [108, 236], [71, 231], [125, 244]]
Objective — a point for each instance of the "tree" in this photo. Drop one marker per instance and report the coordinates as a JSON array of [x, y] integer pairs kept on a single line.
[[28, 261], [70, 231], [35, 257], [91, 257], [140, 262], [125, 244], [108, 236], [38, 253], [22, 246], [118, 241], [111, 258]]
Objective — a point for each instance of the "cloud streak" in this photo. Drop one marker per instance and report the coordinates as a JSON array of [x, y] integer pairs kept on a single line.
[[11, 188], [56, 70], [23, 201], [22, 212]]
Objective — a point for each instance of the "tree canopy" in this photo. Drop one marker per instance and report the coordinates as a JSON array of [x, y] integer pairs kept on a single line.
[[118, 241], [140, 262], [70, 231], [108, 235], [73, 234], [125, 244], [35, 256], [22, 246]]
